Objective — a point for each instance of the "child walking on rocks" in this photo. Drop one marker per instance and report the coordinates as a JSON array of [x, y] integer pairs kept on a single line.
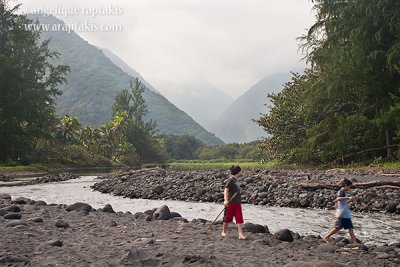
[[342, 213], [232, 202]]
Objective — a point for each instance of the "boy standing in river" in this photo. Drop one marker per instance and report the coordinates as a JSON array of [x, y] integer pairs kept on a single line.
[[342, 213], [233, 203]]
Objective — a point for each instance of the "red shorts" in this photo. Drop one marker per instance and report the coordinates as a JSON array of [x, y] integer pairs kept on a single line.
[[233, 210]]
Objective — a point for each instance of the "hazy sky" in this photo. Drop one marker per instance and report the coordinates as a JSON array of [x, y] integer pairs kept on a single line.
[[229, 44]]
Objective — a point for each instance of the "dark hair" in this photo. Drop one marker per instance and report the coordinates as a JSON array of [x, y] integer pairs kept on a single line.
[[346, 182], [235, 169]]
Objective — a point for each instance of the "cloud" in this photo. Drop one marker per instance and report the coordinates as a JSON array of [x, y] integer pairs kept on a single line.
[[228, 44]]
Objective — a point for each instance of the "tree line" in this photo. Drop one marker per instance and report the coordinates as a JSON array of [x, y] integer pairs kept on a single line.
[[31, 131], [346, 106]]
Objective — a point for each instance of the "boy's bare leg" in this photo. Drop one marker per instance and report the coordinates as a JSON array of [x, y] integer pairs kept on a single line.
[[330, 233], [353, 237], [240, 231], [224, 229]]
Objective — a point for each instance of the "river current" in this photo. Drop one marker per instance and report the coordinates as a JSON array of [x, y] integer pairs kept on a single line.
[[375, 228]]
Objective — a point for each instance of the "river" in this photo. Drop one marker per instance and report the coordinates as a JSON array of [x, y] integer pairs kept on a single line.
[[376, 228]]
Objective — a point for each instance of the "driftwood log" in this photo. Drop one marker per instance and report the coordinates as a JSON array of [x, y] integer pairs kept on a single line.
[[315, 186]]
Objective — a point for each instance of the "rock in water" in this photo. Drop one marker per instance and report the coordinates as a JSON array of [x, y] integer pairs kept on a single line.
[[61, 224], [162, 213], [108, 208], [79, 206], [284, 235]]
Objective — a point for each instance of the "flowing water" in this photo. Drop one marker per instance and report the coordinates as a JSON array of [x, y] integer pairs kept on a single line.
[[374, 228]]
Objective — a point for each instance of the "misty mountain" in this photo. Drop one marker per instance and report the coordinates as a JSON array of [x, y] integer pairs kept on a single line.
[[235, 125], [94, 81], [203, 102], [126, 68]]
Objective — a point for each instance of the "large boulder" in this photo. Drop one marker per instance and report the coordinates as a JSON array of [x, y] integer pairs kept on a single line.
[[255, 228], [162, 213], [284, 235], [78, 206]]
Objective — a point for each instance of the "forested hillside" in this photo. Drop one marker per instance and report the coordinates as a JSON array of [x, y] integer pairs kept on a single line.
[[346, 108], [94, 81]]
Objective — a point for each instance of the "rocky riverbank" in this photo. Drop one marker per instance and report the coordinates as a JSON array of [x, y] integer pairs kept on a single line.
[[285, 188], [49, 178], [34, 233]]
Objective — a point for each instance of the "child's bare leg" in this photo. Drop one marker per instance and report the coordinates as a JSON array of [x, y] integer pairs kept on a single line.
[[353, 237], [330, 233], [224, 229], [240, 231]]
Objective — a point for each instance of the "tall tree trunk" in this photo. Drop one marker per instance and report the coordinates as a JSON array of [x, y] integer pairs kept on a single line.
[[389, 150]]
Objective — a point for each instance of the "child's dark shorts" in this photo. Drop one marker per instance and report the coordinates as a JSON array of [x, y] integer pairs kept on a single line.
[[343, 223]]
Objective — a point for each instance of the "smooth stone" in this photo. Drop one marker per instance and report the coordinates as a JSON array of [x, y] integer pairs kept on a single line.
[[79, 206], [40, 203], [175, 214], [21, 200], [61, 224], [12, 208], [36, 220], [13, 216], [162, 213], [16, 223], [255, 228], [113, 223], [284, 235], [13, 259], [4, 196], [56, 243], [108, 208]]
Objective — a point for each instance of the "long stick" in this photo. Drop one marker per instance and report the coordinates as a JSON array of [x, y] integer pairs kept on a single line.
[[234, 195]]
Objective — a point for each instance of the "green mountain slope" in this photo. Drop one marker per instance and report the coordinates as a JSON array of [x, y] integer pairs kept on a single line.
[[236, 124], [94, 81]]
